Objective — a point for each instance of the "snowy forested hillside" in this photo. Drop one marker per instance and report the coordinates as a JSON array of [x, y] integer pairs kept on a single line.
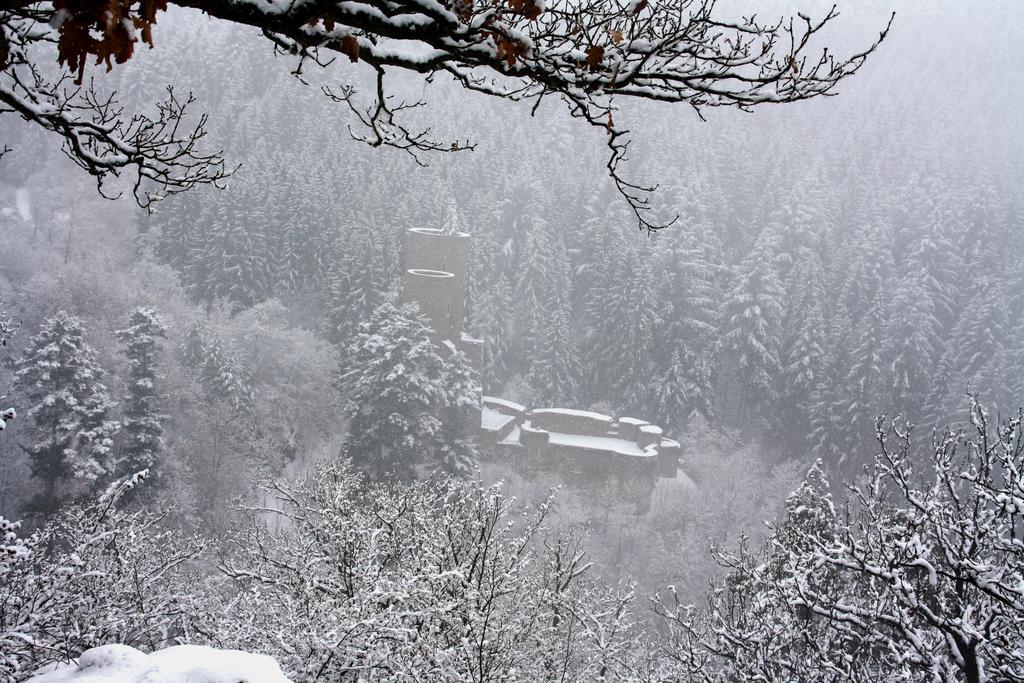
[[312, 489]]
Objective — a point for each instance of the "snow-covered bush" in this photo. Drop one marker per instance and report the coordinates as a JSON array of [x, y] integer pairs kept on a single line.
[[91, 576], [435, 581], [920, 577]]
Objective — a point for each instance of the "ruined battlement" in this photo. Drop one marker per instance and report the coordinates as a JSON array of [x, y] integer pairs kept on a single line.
[[587, 447], [578, 441]]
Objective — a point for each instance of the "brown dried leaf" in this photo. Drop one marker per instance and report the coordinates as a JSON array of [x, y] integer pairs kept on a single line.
[[531, 9], [350, 47], [103, 29], [595, 55], [509, 50]]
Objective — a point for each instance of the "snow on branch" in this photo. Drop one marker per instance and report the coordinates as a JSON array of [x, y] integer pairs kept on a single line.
[[589, 53], [920, 576], [384, 129], [162, 150]]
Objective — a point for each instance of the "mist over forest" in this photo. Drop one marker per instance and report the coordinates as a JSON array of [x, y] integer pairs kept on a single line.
[[234, 419]]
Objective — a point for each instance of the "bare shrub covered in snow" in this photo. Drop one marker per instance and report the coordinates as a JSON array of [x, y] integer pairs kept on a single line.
[[921, 577], [436, 580], [93, 575]]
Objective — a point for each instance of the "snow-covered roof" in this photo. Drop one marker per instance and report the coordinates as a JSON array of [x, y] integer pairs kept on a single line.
[[602, 443], [177, 664], [573, 413], [571, 429], [511, 405]]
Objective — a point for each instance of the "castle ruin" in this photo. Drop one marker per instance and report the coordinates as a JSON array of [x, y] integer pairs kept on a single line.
[[584, 448]]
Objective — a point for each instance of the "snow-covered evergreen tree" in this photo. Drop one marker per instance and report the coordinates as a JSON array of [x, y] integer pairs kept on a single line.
[[803, 353], [554, 366], [919, 580], [537, 270], [406, 396], [687, 341], [142, 423], [751, 629], [491, 322], [752, 327], [808, 519], [676, 393], [357, 282], [221, 372], [622, 333], [912, 343], [862, 389], [59, 376]]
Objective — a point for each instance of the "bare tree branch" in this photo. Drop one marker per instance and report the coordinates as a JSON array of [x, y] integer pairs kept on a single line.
[[162, 150], [588, 52]]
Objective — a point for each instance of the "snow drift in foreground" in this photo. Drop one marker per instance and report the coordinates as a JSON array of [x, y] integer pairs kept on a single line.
[[178, 664]]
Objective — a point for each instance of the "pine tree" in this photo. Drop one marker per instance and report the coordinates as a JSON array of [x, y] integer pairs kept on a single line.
[[869, 268], [828, 429], [490, 322], [142, 423], [407, 397], [59, 375], [223, 375], [688, 340], [677, 394], [755, 627], [804, 352], [751, 329], [536, 271], [864, 389], [975, 357], [484, 273], [912, 343], [357, 282], [622, 333], [934, 256], [554, 365], [808, 519]]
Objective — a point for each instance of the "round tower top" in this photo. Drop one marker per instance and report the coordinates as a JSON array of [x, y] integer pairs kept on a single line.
[[438, 232], [425, 272]]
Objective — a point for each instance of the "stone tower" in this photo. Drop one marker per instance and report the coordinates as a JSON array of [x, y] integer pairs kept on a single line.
[[436, 276]]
